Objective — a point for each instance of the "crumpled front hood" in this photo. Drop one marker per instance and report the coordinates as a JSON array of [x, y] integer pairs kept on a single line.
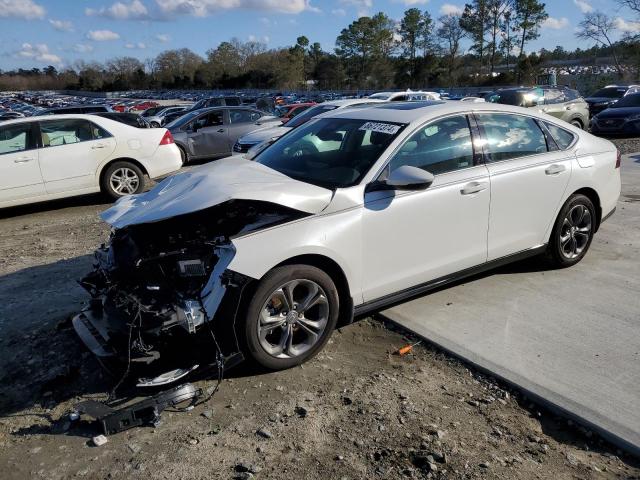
[[263, 134], [212, 184]]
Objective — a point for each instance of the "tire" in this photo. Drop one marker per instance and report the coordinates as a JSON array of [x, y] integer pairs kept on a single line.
[[122, 169], [154, 125], [572, 232], [577, 123], [267, 323]]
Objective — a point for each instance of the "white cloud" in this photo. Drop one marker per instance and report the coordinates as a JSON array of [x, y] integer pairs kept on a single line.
[[40, 53], [102, 35], [25, 9], [163, 38], [450, 9], [627, 26], [556, 23], [202, 8], [61, 25], [139, 46], [83, 48], [583, 5], [136, 10], [412, 2], [362, 6]]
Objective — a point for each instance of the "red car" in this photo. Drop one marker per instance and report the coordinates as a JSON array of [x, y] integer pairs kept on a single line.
[[287, 112], [144, 106]]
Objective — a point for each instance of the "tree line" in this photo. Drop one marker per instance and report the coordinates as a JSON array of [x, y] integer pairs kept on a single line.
[[372, 52]]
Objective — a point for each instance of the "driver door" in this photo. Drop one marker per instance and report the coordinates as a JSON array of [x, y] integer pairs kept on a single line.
[[208, 135], [412, 237]]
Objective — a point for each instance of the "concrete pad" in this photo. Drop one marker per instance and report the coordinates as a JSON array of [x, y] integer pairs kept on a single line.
[[570, 337]]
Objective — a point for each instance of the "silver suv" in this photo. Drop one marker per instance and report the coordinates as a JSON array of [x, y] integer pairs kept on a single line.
[[561, 102]]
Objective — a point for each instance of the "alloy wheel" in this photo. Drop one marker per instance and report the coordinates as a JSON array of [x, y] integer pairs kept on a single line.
[[293, 319], [575, 231], [124, 181]]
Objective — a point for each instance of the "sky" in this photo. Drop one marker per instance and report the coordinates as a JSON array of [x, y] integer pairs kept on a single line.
[[37, 33]]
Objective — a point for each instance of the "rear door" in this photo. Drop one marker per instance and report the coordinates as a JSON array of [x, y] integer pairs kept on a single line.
[[209, 135], [71, 151], [20, 175], [529, 176]]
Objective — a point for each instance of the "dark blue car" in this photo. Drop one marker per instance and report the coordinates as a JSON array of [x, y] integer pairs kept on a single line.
[[622, 118]]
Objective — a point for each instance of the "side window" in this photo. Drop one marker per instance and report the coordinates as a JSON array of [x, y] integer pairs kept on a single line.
[[511, 136], [563, 138], [15, 138], [572, 95], [65, 132], [439, 147], [552, 96], [211, 119], [99, 132], [240, 116]]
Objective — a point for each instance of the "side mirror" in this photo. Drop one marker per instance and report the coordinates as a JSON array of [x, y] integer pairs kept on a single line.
[[405, 178]]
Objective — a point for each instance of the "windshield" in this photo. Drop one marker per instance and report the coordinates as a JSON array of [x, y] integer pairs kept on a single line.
[[610, 92], [308, 114], [282, 110], [518, 98], [380, 96], [180, 121], [330, 152], [628, 101]]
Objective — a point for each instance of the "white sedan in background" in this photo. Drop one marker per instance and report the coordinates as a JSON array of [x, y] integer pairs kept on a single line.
[[43, 158]]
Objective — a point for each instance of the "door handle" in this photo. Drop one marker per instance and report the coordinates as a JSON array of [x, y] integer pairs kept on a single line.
[[23, 159], [100, 145], [474, 187], [555, 169]]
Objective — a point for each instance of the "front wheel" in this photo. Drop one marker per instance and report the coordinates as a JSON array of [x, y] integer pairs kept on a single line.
[[573, 232], [290, 317], [122, 178]]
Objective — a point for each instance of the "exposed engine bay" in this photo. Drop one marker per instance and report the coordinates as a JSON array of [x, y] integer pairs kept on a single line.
[[162, 296]]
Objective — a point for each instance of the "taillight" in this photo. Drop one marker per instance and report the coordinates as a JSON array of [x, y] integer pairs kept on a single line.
[[618, 158], [167, 139]]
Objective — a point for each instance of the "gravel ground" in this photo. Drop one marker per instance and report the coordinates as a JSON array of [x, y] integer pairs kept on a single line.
[[355, 411], [627, 145]]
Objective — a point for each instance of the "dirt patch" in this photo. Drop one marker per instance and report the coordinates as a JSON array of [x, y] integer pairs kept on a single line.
[[356, 411]]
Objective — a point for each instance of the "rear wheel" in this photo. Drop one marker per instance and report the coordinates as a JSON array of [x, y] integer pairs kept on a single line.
[[573, 232], [154, 125], [290, 317], [577, 123], [122, 178]]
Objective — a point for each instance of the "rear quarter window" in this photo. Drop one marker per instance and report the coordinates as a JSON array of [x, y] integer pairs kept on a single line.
[[564, 138]]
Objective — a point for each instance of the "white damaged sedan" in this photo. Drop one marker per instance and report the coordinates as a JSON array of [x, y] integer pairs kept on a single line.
[[353, 211]]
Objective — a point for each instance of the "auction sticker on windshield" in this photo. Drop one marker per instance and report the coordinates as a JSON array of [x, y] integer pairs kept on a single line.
[[387, 128]]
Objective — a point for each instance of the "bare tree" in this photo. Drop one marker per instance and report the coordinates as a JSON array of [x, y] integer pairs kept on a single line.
[[631, 5], [450, 33], [599, 27]]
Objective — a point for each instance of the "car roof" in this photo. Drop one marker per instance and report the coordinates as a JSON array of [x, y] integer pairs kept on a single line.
[[38, 118], [409, 112], [352, 101]]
